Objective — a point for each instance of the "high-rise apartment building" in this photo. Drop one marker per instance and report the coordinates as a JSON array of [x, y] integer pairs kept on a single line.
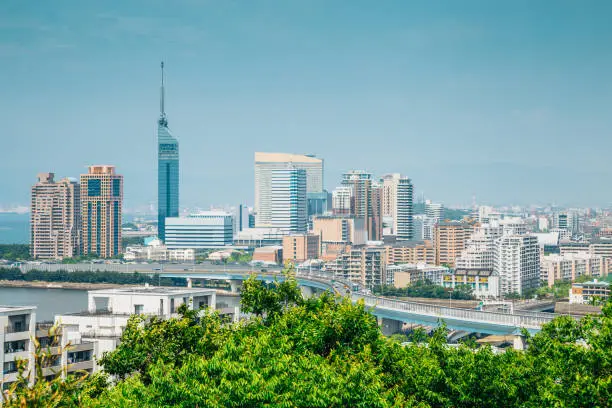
[[434, 213], [517, 262], [101, 204], [167, 169], [266, 163], [341, 200], [55, 218], [289, 206], [397, 203], [450, 238], [363, 203]]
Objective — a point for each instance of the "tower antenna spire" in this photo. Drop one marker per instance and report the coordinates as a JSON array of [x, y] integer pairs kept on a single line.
[[162, 108]]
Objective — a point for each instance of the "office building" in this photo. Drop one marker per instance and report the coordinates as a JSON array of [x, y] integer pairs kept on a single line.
[[298, 248], [317, 203], [568, 267], [397, 203], [341, 200], [405, 275], [586, 293], [289, 207], [101, 205], [203, 230], [450, 238], [434, 211], [55, 218], [155, 250], [266, 163], [167, 168], [241, 218], [517, 263], [259, 237]]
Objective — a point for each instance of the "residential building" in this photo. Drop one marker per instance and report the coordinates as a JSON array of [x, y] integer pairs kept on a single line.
[[397, 203], [362, 203], [266, 163], [108, 311], [484, 282], [411, 252], [434, 211], [167, 168], [17, 334], [298, 248], [341, 200], [517, 263], [55, 218], [155, 250], [404, 275], [479, 253], [241, 218], [568, 267], [272, 254], [365, 265], [601, 247], [317, 203], [101, 204], [450, 238], [206, 229], [589, 292], [289, 203], [338, 232]]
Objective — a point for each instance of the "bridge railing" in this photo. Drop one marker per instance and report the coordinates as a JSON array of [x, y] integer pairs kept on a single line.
[[450, 313]]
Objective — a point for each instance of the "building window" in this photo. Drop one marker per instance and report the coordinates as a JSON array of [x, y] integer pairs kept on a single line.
[[94, 187], [116, 187], [138, 309]]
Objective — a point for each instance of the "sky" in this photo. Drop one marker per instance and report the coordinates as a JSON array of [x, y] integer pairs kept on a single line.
[[504, 101]]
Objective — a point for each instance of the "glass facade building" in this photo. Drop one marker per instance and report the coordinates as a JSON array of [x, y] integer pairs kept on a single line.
[[167, 170]]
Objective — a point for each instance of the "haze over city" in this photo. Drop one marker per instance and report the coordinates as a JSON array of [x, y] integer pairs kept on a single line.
[[507, 102]]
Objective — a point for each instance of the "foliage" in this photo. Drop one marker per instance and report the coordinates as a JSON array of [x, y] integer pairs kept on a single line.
[[329, 352], [239, 257], [14, 252], [426, 289], [130, 241], [15, 274]]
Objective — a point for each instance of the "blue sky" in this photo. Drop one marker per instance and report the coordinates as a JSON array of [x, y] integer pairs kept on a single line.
[[509, 101]]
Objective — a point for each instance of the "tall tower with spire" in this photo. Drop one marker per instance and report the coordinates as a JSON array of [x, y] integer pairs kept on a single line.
[[167, 168]]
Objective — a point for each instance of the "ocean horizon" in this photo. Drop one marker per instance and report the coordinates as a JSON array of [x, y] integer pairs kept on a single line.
[[14, 228]]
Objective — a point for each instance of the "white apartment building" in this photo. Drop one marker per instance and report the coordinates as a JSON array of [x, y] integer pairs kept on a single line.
[[108, 311], [341, 200], [585, 292], [206, 229], [157, 251], [568, 267], [404, 275], [17, 332], [484, 282], [517, 262], [266, 163], [397, 204], [480, 250]]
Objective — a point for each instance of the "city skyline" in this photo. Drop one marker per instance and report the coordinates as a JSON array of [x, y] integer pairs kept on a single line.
[[425, 103]]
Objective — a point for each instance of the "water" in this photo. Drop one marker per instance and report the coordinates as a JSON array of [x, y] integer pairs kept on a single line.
[[49, 302], [14, 228]]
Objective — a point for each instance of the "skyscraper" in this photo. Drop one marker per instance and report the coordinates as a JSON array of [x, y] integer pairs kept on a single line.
[[101, 203], [167, 168], [55, 218], [363, 205], [397, 204], [288, 198], [265, 163]]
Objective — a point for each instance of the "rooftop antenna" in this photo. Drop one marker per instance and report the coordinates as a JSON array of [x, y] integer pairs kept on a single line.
[[162, 110]]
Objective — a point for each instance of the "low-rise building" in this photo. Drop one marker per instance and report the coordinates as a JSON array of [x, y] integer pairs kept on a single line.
[[569, 266], [17, 333], [484, 283], [155, 250], [413, 252], [404, 275], [203, 230], [259, 237], [269, 254], [301, 247], [589, 292]]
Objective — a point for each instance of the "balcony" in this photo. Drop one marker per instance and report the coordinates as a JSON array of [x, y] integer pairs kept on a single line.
[[17, 328]]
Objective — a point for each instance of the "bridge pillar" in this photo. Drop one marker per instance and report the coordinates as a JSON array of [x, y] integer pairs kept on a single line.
[[235, 285], [307, 291], [389, 326], [519, 341]]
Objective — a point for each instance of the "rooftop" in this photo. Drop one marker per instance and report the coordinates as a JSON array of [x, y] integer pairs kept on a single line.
[[8, 308], [153, 290], [261, 157]]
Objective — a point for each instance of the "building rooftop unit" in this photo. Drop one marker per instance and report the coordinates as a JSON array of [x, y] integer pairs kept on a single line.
[[262, 157], [16, 309]]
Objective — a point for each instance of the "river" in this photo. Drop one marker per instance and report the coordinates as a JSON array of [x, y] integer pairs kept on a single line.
[[49, 302]]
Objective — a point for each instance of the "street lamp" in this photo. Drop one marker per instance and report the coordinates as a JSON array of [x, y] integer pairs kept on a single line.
[[450, 298]]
